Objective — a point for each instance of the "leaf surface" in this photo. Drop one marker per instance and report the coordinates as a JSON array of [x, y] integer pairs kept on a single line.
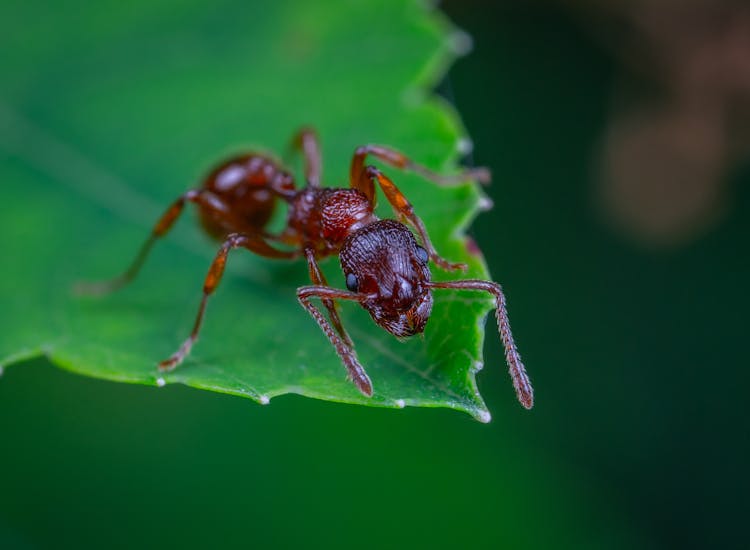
[[125, 106]]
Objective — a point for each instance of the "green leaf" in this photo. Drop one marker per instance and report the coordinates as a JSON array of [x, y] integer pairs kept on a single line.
[[122, 107]]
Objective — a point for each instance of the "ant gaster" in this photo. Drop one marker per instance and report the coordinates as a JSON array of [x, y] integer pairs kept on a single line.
[[386, 269]]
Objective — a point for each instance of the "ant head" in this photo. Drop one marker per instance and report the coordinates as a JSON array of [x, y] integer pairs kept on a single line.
[[384, 262]]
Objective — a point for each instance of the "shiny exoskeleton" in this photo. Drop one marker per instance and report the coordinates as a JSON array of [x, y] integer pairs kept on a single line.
[[385, 267]]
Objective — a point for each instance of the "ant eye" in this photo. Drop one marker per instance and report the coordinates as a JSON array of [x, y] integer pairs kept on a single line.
[[422, 254], [351, 282]]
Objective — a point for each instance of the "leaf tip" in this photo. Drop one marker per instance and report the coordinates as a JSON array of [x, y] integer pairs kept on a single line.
[[461, 42], [484, 416], [464, 146], [160, 382], [400, 403], [485, 203], [264, 399]]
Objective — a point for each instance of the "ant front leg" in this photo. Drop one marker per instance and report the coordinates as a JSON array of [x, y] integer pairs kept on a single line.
[[213, 278], [344, 350], [405, 210], [161, 228], [399, 160], [306, 140], [317, 277], [517, 371]]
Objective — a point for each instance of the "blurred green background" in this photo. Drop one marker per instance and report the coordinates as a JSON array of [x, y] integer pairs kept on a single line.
[[633, 331]]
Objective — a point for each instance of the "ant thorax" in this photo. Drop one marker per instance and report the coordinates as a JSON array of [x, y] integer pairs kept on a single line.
[[384, 261], [327, 216]]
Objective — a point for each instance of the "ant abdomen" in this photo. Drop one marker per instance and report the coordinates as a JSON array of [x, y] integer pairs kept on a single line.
[[247, 187]]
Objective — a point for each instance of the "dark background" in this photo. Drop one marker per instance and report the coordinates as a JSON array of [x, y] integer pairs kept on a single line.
[[642, 337], [634, 332]]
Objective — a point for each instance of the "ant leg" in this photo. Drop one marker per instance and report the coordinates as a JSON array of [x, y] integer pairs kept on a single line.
[[517, 371], [161, 228], [317, 277], [306, 140], [399, 160], [405, 210], [345, 351], [213, 278]]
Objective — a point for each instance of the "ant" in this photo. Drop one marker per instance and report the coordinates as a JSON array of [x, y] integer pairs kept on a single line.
[[385, 267]]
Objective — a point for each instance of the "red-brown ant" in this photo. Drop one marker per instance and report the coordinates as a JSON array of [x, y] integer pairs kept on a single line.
[[385, 267]]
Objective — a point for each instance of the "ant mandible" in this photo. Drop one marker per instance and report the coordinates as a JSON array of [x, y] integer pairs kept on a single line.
[[386, 269]]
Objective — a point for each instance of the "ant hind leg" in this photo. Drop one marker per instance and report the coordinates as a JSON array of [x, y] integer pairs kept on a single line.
[[161, 228]]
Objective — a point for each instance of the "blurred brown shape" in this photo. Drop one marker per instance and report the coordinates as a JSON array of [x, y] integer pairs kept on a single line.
[[680, 118]]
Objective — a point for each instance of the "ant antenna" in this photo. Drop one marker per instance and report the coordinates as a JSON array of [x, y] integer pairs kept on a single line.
[[517, 371]]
